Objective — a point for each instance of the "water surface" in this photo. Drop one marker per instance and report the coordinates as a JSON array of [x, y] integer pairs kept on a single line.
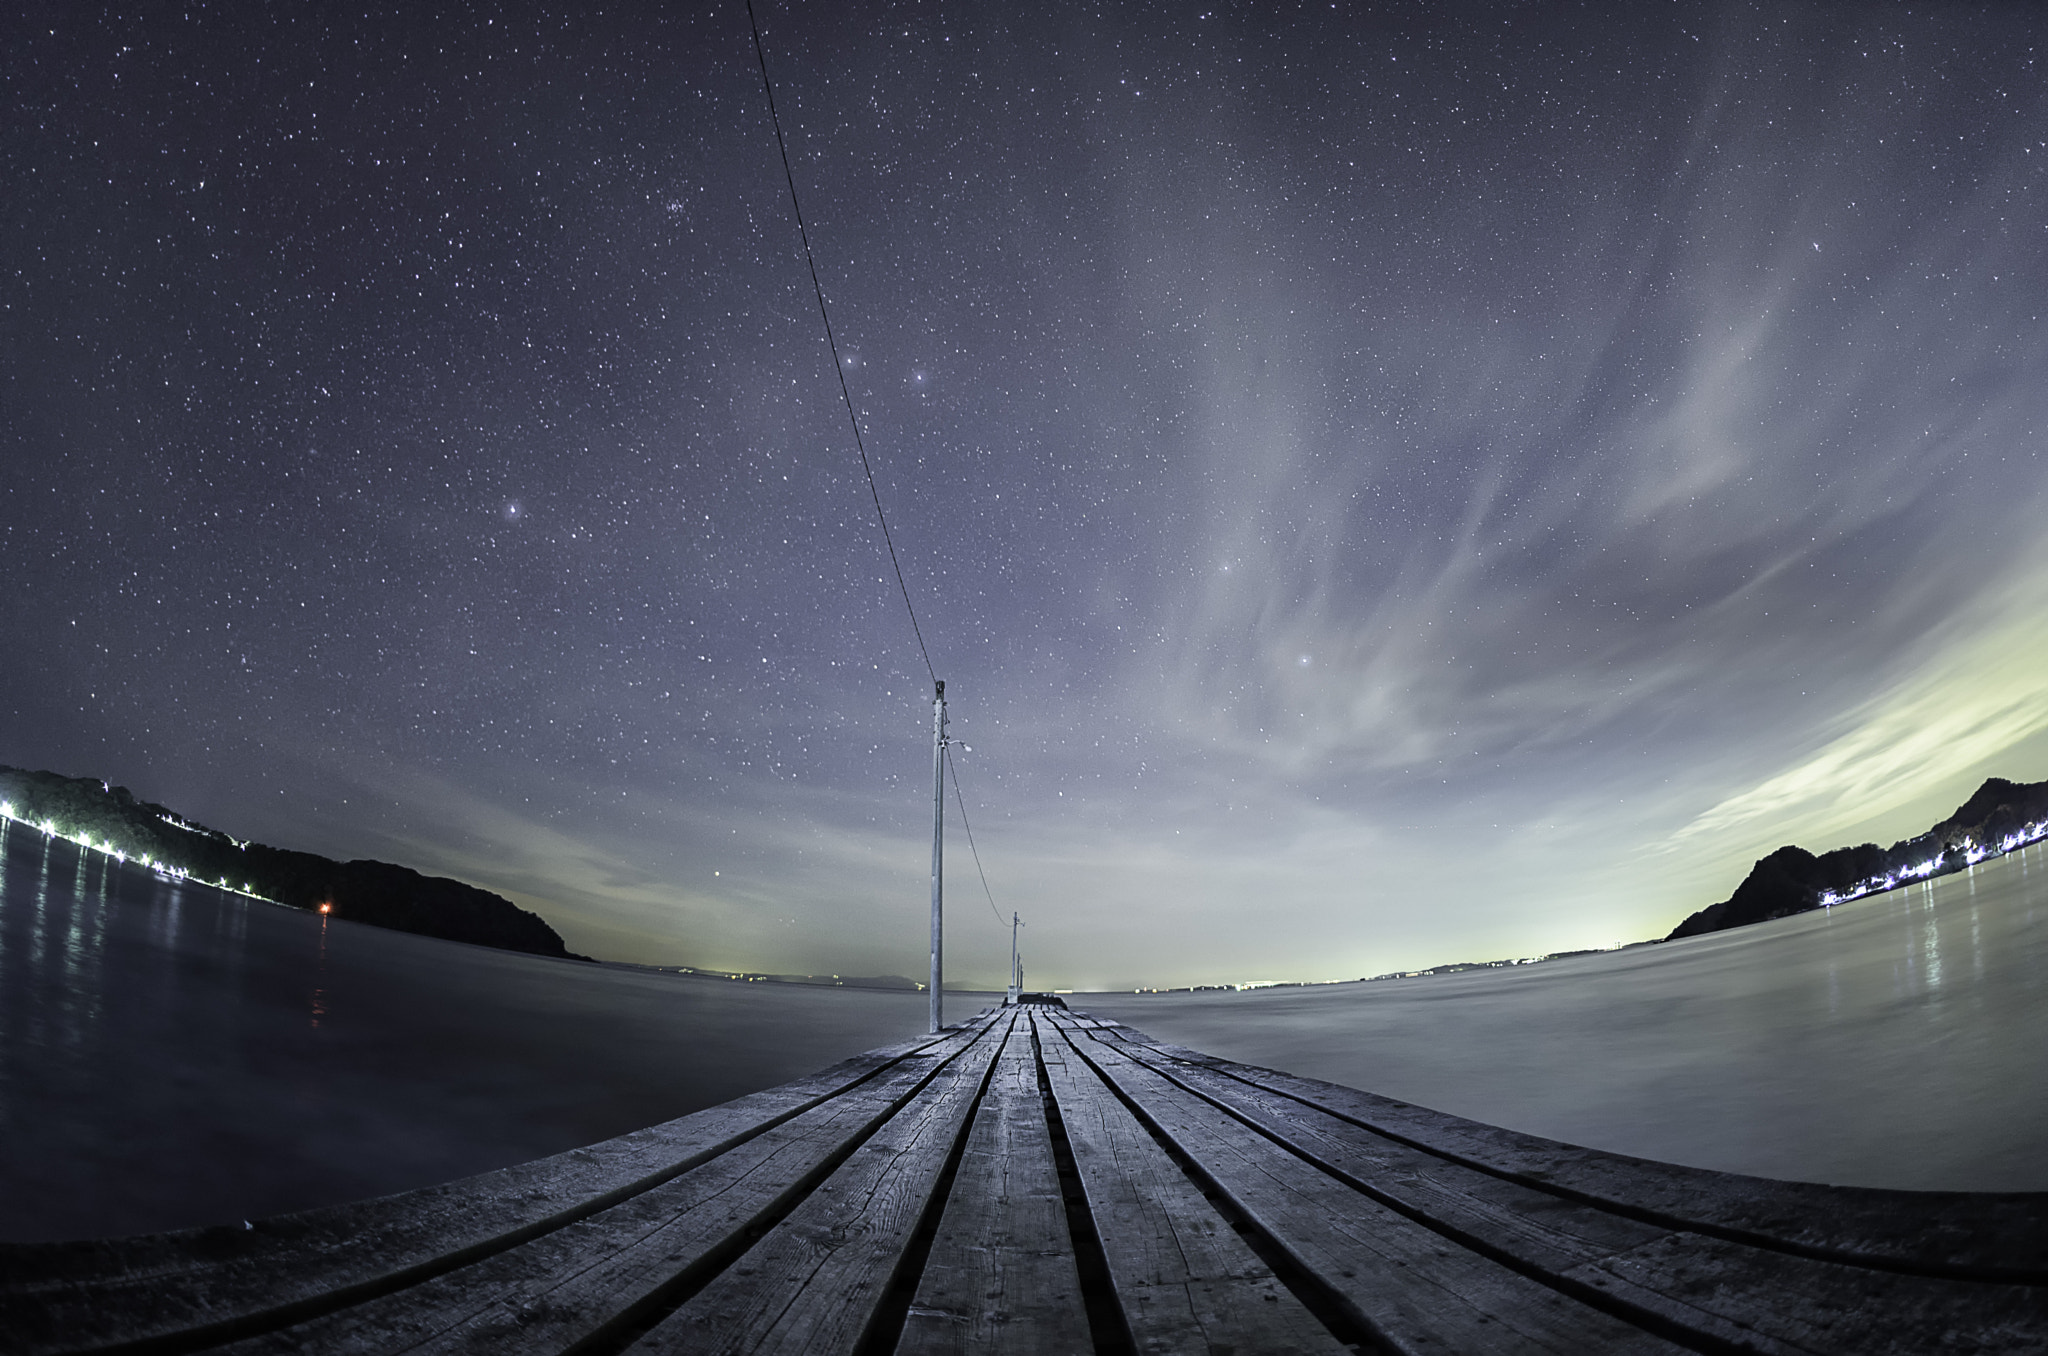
[[1897, 1040], [173, 1055]]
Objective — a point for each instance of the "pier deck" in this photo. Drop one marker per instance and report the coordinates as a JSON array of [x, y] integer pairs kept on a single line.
[[1034, 1181]]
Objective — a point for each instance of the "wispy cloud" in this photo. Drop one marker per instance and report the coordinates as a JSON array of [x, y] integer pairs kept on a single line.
[[1979, 689]]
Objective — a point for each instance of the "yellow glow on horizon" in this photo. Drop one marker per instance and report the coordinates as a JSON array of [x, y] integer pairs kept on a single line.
[[1979, 695]]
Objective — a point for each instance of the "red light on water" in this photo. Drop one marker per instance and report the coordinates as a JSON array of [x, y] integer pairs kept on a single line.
[[327, 908]]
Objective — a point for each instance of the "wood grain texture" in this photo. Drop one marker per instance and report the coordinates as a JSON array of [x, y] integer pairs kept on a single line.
[[814, 1281], [1539, 1228], [1720, 1290], [1000, 1279], [1416, 1290], [806, 1217], [1186, 1282], [76, 1297], [1769, 1302], [1974, 1235], [598, 1274]]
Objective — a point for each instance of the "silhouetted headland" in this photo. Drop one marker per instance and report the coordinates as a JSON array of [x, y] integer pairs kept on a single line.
[[378, 893], [2002, 816], [892, 982]]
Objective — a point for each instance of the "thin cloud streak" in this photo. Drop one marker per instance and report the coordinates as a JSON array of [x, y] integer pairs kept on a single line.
[[1381, 495], [1980, 689]]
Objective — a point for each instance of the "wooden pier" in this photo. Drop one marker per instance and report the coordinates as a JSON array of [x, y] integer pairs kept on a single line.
[[1036, 1181]]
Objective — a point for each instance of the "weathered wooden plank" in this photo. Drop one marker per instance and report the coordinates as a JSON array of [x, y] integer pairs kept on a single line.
[[815, 1280], [834, 1175], [1771, 1302], [1001, 1278], [598, 1274], [1413, 1287], [1970, 1235], [1184, 1279], [1721, 1290], [77, 1297], [1541, 1229]]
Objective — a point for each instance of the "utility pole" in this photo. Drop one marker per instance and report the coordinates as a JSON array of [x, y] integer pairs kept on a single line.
[[1016, 967], [938, 850]]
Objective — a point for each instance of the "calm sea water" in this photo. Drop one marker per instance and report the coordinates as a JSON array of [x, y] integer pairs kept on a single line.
[[1897, 1041], [173, 1055], [170, 1055]]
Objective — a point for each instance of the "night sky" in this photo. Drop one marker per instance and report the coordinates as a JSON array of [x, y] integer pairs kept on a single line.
[[1448, 482]]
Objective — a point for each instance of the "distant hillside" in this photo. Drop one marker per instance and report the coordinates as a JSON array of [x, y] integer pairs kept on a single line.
[[764, 977], [2002, 815], [378, 893]]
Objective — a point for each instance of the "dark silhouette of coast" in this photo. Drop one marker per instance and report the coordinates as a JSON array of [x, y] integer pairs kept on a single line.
[[2001, 816], [378, 893]]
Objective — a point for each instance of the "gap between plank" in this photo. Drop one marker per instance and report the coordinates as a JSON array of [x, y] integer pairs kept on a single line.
[[654, 1307], [1321, 1299], [1107, 1328], [1641, 1213], [203, 1337], [1591, 1296], [885, 1326]]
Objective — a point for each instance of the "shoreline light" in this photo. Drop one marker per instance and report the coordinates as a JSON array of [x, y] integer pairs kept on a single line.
[[49, 829], [1972, 853]]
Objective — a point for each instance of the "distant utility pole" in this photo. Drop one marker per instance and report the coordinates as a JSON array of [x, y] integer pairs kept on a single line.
[[1016, 965], [938, 850]]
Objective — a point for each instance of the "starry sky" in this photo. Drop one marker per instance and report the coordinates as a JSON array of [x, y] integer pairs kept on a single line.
[[1383, 485]]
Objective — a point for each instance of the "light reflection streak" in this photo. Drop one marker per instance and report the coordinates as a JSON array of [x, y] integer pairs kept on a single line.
[[38, 936], [58, 941], [59, 967], [82, 949], [167, 924], [1977, 932], [231, 923], [1930, 936], [319, 999], [74, 922]]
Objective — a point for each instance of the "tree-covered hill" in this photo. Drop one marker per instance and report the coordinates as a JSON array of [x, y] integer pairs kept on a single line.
[[378, 893], [2002, 815]]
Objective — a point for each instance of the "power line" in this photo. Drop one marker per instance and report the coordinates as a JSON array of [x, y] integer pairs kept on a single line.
[[962, 803], [853, 420], [838, 365]]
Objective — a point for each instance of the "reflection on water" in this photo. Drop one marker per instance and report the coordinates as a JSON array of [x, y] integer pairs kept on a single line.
[[57, 953], [172, 1054], [1891, 1041], [1929, 953], [318, 1003]]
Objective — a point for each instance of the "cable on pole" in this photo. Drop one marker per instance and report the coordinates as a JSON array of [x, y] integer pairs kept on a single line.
[[962, 803], [831, 342], [860, 444]]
